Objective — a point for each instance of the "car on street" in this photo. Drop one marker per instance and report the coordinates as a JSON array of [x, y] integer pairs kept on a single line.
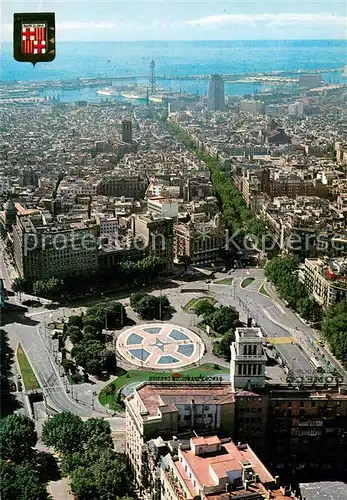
[[19, 376], [13, 387], [20, 386]]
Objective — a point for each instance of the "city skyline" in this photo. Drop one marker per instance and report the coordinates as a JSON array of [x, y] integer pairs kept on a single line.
[[178, 21]]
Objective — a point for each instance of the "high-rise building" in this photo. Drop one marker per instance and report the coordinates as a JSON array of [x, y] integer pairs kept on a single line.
[[310, 81], [216, 97], [127, 131]]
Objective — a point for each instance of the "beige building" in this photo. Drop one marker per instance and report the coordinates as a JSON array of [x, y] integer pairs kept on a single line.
[[43, 248], [325, 279], [201, 241], [155, 234], [129, 186], [208, 468], [172, 408]]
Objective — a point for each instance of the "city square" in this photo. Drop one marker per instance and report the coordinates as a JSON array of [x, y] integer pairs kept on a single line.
[[160, 346]]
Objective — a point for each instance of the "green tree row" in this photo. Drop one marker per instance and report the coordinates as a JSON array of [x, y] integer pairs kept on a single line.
[[24, 471], [8, 402], [283, 272], [86, 334], [125, 273], [87, 457], [334, 328], [223, 321], [238, 217], [149, 306]]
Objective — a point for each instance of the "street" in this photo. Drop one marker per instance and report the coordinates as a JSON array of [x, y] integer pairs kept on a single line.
[[291, 337]]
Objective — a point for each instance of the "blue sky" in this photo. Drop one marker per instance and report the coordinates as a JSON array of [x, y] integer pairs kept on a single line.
[[97, 20]]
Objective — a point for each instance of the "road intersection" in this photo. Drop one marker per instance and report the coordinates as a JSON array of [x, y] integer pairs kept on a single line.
[[294, 338]]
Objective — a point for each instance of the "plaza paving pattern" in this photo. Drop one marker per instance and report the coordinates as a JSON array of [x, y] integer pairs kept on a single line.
[[161, 346]]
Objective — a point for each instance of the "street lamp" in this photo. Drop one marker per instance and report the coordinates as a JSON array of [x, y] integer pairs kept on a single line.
[[93, 400]]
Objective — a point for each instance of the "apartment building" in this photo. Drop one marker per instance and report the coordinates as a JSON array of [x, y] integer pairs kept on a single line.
[[172, 408], [118, 184], [208, 468], [306, 425], [155, 234], [201, 241], [325, 279], [108, 226], [292, 427], [43, 248]]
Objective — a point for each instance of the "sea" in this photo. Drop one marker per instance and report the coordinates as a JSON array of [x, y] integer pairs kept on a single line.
[[175, 58]]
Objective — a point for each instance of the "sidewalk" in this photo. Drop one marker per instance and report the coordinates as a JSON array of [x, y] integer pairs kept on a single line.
[[60, 490]]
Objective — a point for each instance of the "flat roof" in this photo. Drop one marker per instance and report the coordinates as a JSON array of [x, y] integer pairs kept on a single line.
[[326, 490]]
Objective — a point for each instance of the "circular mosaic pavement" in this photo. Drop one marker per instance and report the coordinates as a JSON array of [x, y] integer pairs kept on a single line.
[[160, 345]]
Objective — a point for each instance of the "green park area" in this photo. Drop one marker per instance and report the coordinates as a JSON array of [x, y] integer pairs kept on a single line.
[[263, 291], [111, 395], [29, 380], [246, 282], [191, 305], [225, 281]]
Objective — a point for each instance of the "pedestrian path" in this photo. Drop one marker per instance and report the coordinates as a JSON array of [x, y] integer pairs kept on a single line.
[[281, 340]]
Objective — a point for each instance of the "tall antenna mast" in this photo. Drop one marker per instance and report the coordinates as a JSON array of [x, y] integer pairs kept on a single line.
[[152, 80]]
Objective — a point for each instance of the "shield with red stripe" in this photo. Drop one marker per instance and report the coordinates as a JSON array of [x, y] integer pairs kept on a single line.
[[34, 37]]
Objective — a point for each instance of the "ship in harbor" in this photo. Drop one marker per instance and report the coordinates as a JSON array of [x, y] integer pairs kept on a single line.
[[109, 91], [134, 95], [18, 93]]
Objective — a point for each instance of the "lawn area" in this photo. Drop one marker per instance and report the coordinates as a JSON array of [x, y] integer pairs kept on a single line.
[[133, 376], [190, 306], [263, 290], [247, 282], [224, 281], [28, 376]]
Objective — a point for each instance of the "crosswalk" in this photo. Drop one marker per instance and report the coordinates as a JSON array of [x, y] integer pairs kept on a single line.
[[281, 340]]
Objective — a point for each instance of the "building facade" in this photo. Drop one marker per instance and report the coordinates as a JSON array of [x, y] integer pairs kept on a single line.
[[45, 249], [216, 94], [166, 409], [325, 279], [154, 234], [201, 242]]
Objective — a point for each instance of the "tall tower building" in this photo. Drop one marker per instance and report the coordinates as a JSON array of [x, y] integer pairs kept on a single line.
[[127, 131], [152, 78], [216, 96], [248, 359]]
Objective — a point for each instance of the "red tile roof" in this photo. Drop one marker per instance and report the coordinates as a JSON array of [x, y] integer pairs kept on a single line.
[[178, 393]]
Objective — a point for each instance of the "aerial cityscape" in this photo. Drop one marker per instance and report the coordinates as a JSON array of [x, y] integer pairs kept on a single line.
[[173, 255]]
